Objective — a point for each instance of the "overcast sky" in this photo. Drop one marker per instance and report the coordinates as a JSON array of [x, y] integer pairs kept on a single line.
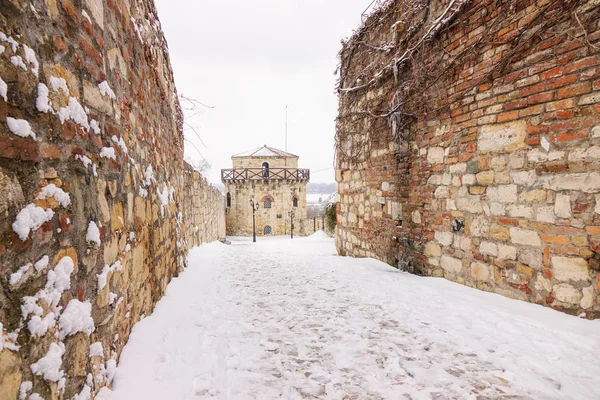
[[251, 58]]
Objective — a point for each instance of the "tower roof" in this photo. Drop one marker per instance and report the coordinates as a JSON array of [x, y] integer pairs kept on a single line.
[[265, 151]]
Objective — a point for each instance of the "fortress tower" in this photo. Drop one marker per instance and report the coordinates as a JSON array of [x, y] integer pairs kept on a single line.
[[271, 178]]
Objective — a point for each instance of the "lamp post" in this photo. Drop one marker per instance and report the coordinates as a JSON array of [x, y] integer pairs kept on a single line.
[[292, 215], [254, 209]]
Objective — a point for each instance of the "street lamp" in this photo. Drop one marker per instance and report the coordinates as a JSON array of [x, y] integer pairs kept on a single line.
[[292, 215], [254, 209]]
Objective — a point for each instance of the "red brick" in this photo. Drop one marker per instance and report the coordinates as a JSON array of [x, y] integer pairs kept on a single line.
[[574, 90], [69, 130], [561, 105], [580, 64], [88, 28], [49, 151], [90, 51], [560, 82], [537, 129], [556, 239], [546, 44], [515, 104], [551, 73], [508, 116], [540, 98], [24, 149], [70, 10], [565, 114], [527, 91], [59, 44]]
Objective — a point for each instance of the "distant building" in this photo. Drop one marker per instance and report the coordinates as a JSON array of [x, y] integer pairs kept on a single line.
[[272, 179]]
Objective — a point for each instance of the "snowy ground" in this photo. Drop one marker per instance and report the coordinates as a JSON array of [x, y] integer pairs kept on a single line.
[[289, 319]]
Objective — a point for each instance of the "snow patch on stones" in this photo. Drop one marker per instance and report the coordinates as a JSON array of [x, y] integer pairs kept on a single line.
[[108, 152], [75, 112], [106, 90], [49, 366], [76, 318], [20, 127], [57, 193], [30, 219], [3, 90], [93, 233]]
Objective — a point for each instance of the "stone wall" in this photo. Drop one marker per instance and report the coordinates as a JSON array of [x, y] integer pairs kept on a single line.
[[204, 210], [469, 146], [97, 208]]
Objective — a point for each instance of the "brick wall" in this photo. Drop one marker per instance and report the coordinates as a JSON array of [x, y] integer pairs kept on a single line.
[[97, 207], [477, 159]]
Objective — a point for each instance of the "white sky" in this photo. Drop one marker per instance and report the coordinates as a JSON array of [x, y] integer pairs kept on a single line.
[[251, 58]]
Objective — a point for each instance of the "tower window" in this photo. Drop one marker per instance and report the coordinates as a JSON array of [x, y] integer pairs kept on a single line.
[[267, 203], [229, 200], [265, 170], [295, 202]]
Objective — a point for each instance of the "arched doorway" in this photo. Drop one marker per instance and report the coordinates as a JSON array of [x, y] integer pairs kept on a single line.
[[268, 230]]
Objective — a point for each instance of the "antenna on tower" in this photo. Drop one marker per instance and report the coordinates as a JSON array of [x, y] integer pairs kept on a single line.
[[286, 129]]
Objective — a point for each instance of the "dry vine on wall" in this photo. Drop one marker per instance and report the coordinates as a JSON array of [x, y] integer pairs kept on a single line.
[[414, 64]]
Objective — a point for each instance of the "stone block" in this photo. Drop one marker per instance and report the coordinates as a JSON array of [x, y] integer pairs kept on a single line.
[[506, 252], [584, 182], [441, 192], [516, 160], [545, 214], [502, 178], [520, 211], [77, 352], [533, 196], [435, 155], [498, 163], [96, 8], [488, 248], [95, 99], [416, 217], [485, 178], [117, 220], [532, 257], [459, 168], [451, 264], [502, 138], [479, 226], [570, 268], [497, 209], [480, 271], [567, 294], [525, 237], [432, 249], [524, 178], [467, 202], [468, 179], [500, 233], [503, 193], [103, 211], [444, 238], [10, 374], [542, 283], [562, 206], [587, 301]]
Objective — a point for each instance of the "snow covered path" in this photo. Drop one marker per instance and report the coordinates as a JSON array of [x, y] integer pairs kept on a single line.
[[290, 319]]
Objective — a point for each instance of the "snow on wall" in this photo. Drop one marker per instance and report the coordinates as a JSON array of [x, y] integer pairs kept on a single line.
[[97, 211]]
